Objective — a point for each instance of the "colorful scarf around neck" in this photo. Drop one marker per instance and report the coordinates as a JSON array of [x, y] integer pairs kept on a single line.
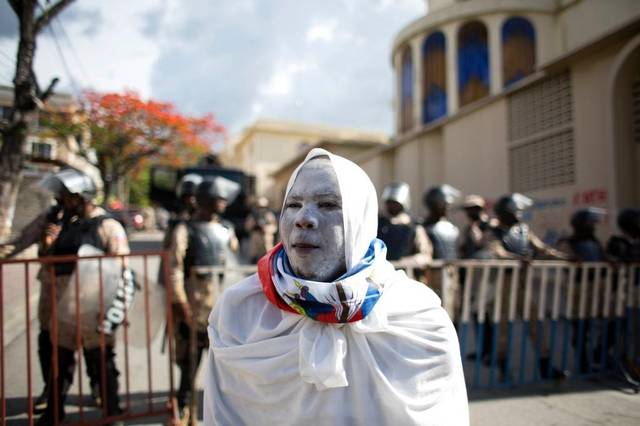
[[349, 298]]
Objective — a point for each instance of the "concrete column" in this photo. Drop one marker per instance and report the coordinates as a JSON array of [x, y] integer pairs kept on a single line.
[[494, 42], [451, 46], [416, 57]]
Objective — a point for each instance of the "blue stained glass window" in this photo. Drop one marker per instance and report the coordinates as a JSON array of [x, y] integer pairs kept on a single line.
[[473, 62], [518, 49], [406, 109], [434, 100]]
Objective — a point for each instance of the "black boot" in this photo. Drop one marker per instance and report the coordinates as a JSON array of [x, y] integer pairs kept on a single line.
[[44, 356], [554, 373], [66, 367], [111, 398]]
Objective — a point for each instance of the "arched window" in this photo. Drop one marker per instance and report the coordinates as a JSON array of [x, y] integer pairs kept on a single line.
[[406, 95], [434, 96], [518, 49], [473, 62]]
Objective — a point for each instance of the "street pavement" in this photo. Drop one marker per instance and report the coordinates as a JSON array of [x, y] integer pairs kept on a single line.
[[145, 367]]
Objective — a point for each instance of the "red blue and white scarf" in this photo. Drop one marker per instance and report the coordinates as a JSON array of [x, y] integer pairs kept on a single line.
[[347, 299]]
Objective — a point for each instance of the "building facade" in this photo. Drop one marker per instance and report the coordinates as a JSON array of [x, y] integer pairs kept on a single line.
[[266, 146], [540, 97]]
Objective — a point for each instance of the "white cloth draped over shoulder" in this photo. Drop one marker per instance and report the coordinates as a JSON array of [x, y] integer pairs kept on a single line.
[[400, 365]]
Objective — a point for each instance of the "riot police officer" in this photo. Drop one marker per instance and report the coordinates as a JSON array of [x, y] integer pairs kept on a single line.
[[197, 245], [406, 240], [87, 225], [512, 239], [444, 239], [583, 245], [473, 244], [186, 195], [625, 247], [442, 233]]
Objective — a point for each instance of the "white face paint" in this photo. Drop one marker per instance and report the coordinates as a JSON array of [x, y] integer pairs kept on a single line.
[[312, 225]]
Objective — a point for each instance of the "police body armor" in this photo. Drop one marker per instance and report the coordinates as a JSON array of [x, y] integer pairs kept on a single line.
[[587, 249], [515, 239], [444, 238], [208, 244], [72, 236], [399, 238]]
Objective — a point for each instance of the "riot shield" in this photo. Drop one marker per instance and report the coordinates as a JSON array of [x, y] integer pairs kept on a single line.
[[84, 299]]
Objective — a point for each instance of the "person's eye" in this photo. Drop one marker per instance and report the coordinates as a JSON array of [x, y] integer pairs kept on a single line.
[[293, 205], [331, 205]]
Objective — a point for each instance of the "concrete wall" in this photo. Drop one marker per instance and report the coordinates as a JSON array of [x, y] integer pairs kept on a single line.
[[585, 20], [475, 151]]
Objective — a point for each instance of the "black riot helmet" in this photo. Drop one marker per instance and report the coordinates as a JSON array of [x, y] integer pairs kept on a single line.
[[218, 188], [629, 222], [584, 221], [438, 198], [70, 181], [509, 208], [188, 185]]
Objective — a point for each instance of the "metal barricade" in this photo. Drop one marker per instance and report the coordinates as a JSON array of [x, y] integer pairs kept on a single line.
[[517, 323], [521, 323], [146, 389]]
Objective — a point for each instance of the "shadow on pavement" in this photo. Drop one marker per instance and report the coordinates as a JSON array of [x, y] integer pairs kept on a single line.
[[139, 403], [562, 386]]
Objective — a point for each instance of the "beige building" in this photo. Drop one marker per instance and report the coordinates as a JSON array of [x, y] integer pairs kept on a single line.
[[265, 147], [540, 97], [46, 152], [345, 148]]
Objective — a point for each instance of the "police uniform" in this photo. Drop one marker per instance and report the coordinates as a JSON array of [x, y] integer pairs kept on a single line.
[[444, 237], [405, 239], [518, 242], [195, 248]]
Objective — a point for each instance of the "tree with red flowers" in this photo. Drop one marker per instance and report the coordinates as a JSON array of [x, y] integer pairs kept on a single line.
[[128, 132]]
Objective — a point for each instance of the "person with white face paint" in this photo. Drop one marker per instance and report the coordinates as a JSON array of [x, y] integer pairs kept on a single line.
[[327, 331]]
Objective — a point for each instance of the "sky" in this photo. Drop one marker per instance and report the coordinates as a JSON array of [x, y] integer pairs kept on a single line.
[[322, 62]]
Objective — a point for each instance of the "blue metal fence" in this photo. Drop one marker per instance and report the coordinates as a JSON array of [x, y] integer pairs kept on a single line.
[[522, 323]]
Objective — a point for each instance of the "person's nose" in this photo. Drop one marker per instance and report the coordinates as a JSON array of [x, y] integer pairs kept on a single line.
[[306, 218]]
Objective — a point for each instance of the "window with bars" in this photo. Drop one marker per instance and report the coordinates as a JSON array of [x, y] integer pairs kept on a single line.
[[541, 138], [42, 150]]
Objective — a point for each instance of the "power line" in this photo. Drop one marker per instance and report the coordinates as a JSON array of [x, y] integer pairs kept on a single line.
[[8, 58], [83, 70], [72, 80], [9, 65]]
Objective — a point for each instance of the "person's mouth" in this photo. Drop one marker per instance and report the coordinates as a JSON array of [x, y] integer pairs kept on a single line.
[[304, 247]]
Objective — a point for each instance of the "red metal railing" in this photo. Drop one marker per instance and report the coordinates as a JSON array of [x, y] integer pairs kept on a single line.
[[156, 402]]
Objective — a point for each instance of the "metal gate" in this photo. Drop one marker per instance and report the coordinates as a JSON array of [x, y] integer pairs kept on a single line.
[[143, 344]]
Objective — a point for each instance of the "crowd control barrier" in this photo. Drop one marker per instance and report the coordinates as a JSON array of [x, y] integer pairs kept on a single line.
[[93, 299]]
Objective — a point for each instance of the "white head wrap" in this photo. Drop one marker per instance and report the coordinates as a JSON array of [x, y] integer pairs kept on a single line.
[[359, 204]]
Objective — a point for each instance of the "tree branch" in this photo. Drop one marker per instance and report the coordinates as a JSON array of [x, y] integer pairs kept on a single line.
[[50, 13], [49, 91], [16, 5]]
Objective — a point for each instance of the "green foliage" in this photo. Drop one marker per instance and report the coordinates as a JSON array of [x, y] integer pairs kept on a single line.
[[139, 189]]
